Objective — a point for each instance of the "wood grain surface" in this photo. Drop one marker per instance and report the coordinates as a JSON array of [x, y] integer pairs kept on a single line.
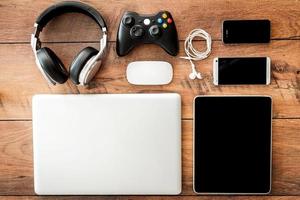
[[150, 198], [20, 79], [18, 16]]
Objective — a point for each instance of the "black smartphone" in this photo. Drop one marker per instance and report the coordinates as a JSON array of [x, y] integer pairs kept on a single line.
[[246, 31], [241, 71]]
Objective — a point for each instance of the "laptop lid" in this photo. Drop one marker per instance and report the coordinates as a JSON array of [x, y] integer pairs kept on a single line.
[[107, 144]]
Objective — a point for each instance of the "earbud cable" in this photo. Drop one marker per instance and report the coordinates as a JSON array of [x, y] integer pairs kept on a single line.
[[194, 55]]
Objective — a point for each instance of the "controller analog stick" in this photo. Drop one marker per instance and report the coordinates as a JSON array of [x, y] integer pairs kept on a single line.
[[154, 31], [137, 31], [128, 21]]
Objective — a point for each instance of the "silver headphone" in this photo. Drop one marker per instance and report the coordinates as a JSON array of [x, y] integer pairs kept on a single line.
[[88, 61]]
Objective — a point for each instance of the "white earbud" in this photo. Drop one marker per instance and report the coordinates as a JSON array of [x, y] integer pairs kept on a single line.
[[194, 74]]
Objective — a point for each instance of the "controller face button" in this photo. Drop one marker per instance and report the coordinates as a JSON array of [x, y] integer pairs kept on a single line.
[[128, 21], [159, 20], [164, 25], [147, 21], [164, 15], [137, 31], [169, 20]]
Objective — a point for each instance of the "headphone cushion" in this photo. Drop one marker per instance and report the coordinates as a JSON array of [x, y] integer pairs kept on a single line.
[[79, 62], [52, 65]]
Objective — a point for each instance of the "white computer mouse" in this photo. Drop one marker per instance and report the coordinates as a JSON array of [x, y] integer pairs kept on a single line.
[[149, 73]]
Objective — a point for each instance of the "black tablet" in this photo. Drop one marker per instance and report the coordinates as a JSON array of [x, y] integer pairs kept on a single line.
[[232, 144]]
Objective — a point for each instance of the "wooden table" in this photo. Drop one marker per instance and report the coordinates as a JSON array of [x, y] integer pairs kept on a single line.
[[68, 34]]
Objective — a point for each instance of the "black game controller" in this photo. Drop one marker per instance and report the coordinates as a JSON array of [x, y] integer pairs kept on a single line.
[[159, 29]]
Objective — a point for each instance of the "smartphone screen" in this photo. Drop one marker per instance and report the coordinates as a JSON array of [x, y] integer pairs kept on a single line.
[[232, 144], [239, 71], [246, 31]]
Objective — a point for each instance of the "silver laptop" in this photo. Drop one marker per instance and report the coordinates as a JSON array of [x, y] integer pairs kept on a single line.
[[107, 144]]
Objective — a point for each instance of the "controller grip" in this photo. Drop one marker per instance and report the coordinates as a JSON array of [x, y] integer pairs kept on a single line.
[[171, 48], [170, 43], [124, 42]]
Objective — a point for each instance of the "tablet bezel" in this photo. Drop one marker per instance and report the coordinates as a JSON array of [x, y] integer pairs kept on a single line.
[[221, 193]]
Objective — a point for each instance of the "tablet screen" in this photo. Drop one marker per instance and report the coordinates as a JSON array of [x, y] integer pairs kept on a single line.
[[232, 144]]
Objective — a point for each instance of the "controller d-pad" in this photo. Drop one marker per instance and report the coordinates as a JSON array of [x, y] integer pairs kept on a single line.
[[128, 21], [137, 31], [154, 31]]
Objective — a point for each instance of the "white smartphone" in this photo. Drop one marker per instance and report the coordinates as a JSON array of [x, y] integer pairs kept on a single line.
[[242, 70]]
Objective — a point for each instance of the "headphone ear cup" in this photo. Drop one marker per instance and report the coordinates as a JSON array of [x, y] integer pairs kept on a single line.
[[79, 62], [52, 65]]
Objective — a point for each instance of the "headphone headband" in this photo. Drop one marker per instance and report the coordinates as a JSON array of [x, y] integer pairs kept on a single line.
[[67, 7]]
